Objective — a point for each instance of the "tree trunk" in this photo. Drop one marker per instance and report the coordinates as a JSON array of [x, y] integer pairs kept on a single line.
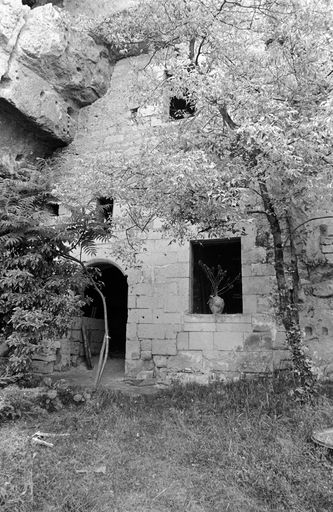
[[288, 298]]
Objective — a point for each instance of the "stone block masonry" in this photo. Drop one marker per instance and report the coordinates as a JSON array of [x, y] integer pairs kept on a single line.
[[178, 343]]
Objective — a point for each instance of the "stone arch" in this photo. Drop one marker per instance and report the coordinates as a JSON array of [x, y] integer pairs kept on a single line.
[[104, 261], [116, 294]]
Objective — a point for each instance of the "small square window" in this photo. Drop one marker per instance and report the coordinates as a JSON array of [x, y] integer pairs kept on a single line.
[[221, 257], [51, 206], [53, 209], [180, 108], [105, 208]]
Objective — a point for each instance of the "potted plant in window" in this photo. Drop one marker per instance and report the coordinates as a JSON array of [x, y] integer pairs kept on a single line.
[[220, 284]]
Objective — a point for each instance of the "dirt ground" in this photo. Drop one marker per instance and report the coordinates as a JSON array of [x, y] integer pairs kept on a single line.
[[113, 378]]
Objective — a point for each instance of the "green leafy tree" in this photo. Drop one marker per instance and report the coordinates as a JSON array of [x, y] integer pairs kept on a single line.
[[41, 279], [257, 141]]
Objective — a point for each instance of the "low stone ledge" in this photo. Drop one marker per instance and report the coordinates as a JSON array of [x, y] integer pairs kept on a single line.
[[237, 318]]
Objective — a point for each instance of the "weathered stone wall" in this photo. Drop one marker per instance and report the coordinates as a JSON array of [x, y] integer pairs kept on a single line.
[[317, 295]]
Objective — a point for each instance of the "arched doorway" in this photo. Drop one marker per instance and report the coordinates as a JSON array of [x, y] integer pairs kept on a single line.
[[115, 290]]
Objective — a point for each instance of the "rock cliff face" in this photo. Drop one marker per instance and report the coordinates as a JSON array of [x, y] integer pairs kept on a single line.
[[49, 69]]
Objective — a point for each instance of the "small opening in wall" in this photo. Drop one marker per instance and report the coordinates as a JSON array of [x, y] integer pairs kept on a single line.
[[53, 209], [58, 356], [51, 205], [180, 108], [104, 206], [212, 253], [134, 113], [308, 331]]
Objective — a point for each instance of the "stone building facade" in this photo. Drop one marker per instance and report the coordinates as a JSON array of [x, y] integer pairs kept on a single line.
[[159, 329], [165, 337]]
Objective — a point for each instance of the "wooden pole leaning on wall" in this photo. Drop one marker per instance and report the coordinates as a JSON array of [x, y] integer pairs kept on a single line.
[[105, 345], [86, 346]]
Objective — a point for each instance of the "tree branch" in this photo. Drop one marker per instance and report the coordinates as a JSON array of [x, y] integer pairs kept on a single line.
[[303, 224]]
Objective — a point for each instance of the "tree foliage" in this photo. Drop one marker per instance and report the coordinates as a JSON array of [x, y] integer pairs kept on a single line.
[[41, 283]]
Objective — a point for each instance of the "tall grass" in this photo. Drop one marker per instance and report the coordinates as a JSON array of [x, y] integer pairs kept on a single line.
[[240, 447]]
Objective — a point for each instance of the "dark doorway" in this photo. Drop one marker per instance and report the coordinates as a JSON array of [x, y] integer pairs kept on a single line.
[[115, 290]]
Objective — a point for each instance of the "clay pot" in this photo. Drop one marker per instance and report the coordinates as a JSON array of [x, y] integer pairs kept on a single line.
[[216, 304]]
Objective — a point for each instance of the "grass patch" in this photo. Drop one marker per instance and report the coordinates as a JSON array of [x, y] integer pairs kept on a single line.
[[241, 447]]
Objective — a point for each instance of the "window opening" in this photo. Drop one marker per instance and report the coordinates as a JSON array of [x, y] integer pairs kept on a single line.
[[105, 208], [227, 255], [180, 108], [51, 206], [53, 209]]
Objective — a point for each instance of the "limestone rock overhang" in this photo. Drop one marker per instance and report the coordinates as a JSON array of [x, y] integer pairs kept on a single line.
[[49, 68]]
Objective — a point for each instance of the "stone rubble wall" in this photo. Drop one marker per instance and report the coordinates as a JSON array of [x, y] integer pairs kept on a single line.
[[61, 354]]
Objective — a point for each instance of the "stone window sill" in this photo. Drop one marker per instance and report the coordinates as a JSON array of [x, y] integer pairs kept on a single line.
[[219, 318]]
